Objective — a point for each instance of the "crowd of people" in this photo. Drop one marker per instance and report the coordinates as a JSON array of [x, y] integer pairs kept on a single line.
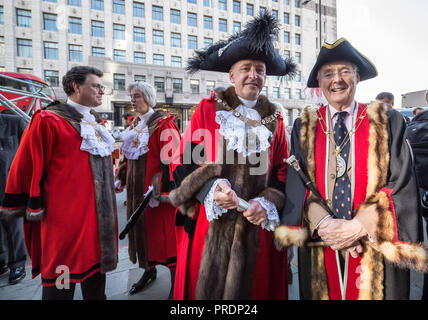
[[224, 201]]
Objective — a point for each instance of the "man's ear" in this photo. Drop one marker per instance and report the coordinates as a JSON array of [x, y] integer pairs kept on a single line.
[[231, 76], [76, 88]]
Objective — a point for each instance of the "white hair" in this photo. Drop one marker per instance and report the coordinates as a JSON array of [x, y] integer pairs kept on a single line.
[[146, 89]]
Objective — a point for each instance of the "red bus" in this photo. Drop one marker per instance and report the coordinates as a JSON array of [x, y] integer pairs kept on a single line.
[[26, 91]]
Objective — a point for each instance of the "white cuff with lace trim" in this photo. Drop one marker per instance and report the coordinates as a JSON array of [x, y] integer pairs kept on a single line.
[[272, 220], [212, 210]]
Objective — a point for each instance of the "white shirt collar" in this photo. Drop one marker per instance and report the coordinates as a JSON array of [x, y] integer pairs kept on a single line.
[[145, 117], [84, 110], [248, 103], [350, 109]]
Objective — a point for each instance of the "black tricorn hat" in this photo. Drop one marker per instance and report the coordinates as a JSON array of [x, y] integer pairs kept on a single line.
[[254, 43], [342, 50]]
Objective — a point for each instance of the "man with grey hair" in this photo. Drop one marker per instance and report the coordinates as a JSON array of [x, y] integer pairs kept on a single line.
[[152, 240], [363, 240], [61, 180]]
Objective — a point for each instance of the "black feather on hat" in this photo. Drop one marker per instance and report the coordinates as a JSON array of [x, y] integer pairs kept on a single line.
[[253, 43]]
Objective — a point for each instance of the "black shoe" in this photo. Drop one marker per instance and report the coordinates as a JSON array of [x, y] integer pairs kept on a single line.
[[16, 275], [147, 277], [4, 270]]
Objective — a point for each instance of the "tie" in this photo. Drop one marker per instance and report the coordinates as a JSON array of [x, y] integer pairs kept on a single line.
[[342, 189]]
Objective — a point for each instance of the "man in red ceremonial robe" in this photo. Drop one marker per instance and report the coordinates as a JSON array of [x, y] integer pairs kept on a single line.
[[61, 180], [148, 145], [365, 232], [234, 146]]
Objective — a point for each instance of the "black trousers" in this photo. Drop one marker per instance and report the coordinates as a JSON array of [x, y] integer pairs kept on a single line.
[[93, 288], [12, 246]]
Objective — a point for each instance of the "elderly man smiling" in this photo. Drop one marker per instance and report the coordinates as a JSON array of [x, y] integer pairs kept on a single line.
[[357, 157]]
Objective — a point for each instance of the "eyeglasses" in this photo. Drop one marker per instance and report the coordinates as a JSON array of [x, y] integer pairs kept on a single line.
[[98, 86], [344, 74]]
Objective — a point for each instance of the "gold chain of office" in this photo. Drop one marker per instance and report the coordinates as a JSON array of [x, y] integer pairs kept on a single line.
[[248, 121]]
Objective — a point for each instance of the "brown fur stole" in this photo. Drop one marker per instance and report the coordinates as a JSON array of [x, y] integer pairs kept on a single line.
[[231, 244]]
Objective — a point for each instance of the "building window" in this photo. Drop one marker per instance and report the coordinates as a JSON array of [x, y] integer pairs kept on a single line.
[[298, 57], [297, 21], [75, 25], [1, 15], [250, 9], [50, 50], [24, 70], [75, 53], [76, 3], [119, 6], [264, 91], [262, 10], [157, 13], [194, 86], [275, 14], [139, 78], [286, 54], [286, 37], [192, 19], [298, 94], [97, 5], [175, 40], [208, 22], [52, 77], [210, 87], [140, 57], [25, 47], [236, 6], [298, 39], [23, 18], [286, 2], [287, 93], [139, 34], [158, 37], [97, 52], [222, 25], [119, 81], [175, 16], [49, 22], [177, 85], [51, 1], [192, 42], [298, 77], [176, 61], [297, 3], [118, 31], [160, 84], [236, 27], [119, 55], [97, 28], [208, 42], [158, 59], [208, 3], [138, 9], [222, 4], [286, 18], [275, 92], [191, 1]]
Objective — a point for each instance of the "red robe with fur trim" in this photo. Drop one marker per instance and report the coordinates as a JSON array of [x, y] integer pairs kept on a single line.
[[50, 173], [383, 177], [152, 240], [266, 276]]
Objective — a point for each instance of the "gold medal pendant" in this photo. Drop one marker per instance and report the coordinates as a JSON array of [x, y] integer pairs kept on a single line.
[[340, 166], [136, 142]]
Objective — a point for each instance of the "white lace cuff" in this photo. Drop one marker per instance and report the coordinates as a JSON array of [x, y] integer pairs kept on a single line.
[[272, 214], [212, 210]]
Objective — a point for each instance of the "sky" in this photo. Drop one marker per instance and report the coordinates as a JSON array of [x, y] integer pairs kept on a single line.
[[393, 34]]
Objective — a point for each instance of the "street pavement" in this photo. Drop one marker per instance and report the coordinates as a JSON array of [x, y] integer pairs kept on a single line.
[[121, 279]]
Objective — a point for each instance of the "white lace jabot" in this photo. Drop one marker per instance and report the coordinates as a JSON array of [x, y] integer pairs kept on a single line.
[[136, 139], [95, 138], [239, 136]]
